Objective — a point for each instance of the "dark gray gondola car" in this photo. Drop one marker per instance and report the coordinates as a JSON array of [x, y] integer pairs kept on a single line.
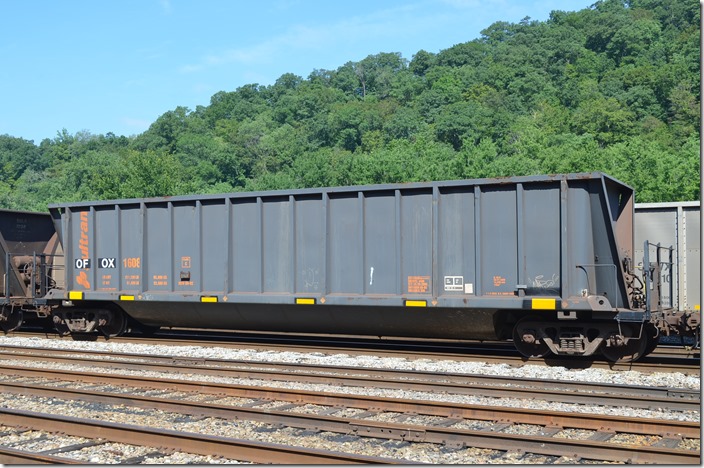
[[544, 260]]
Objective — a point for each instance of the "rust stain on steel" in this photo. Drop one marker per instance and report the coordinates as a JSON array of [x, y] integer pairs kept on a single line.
[[10, 456], [594, 449], [237, 449], [550, 418]]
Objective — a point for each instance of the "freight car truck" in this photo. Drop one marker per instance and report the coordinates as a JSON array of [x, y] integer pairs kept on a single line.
[[547, 261]]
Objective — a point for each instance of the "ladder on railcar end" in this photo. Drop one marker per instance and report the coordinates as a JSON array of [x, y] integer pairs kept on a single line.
[[661, 304], [652, 276]]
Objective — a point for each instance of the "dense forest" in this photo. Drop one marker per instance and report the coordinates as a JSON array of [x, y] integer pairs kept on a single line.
[[612, 88]]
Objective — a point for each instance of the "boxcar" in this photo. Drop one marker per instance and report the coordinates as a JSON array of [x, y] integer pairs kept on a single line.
[[677, 224]]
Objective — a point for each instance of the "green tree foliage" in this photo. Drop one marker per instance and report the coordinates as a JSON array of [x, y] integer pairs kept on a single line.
[[613, 88], [16, 156]]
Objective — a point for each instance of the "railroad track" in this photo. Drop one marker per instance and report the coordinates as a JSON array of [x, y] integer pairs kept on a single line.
[[344, 376], [234, 449], [664, 359], [436, 431], [453, 425]]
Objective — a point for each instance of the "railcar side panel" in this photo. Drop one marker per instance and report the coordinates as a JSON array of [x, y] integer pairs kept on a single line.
[[469, 256]]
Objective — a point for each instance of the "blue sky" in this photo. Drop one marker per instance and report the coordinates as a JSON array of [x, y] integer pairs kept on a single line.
[[116, 65]]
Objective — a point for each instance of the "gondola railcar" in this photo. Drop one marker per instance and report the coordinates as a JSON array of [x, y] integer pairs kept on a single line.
[[546, 261]]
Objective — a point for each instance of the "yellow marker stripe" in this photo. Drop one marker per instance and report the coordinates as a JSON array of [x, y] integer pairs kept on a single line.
[[305, 300], [75, 295], [209, 299], [127, 298], [416, 303], [544, 304]]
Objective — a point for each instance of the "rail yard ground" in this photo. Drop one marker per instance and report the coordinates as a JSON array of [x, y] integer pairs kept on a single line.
[[137, 403]]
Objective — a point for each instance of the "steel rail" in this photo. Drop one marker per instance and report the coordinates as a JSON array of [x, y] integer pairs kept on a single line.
[[590, 421], [555, 391], [11, 456], [253, 451], [508, 354], [491, 352], [672, 351], [543, 445]]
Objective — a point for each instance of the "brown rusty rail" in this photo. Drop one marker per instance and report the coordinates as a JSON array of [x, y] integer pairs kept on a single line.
[[447, 410], [10, 456], [256, 452], [555, 391]]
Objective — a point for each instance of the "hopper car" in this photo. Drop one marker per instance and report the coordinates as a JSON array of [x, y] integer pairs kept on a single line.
[[28, 248], [549, 262]]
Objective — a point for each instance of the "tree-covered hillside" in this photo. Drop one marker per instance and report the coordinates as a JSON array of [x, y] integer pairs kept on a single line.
[[612, 88]]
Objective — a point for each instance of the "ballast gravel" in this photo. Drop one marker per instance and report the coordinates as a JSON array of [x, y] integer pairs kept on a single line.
[[656, 379], [529, 372], [82, 449], [428, 453], [660, 413]]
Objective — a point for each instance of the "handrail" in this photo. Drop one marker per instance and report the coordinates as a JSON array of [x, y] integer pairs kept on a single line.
[[650, 272], [39, 266]]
